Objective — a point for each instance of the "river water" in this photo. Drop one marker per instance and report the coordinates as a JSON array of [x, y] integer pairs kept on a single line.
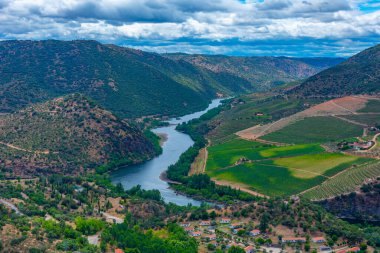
[[148, 174]]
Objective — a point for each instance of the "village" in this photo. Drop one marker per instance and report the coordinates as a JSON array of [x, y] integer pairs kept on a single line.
[[225, 233]]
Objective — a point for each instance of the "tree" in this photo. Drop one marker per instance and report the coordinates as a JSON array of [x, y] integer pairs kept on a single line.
[[235, 249], [264, 222]]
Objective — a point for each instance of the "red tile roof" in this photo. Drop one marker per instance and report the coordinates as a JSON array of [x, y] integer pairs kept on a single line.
[[119, 251]]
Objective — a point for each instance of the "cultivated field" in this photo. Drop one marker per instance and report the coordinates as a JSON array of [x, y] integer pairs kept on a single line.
[[274, 171], [344, 182], [315, 130], [229, 153], [340, 106]]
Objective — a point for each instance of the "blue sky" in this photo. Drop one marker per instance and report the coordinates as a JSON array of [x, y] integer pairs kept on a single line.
[[300, 28]]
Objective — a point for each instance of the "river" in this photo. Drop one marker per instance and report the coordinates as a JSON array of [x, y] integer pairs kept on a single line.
[[148, 174]]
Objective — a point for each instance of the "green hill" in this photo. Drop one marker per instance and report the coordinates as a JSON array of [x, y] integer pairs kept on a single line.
[[261, 73], [68, 134], [132, 83], [359, 74]]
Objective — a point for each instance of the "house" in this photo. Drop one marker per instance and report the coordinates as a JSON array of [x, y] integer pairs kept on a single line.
[[209, 237], [318, 239], [236, 225], [189, 229], [225, 221], [185, 224], [236, 230], [196, 233], [293, 239], [259, 114], [254, 232], [119, 251], [205, 223], [249, 249]]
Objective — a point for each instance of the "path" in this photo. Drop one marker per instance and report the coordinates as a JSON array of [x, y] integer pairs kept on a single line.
[[374, 139], [46, 152], [11, 206], [115, 219], [349, 121]]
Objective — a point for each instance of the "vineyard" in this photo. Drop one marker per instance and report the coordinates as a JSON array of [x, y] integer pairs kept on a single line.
[[344, 182]]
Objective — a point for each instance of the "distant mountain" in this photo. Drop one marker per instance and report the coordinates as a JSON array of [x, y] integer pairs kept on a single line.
[[358, 75], [261, 73], [132, 83], [68, 134]]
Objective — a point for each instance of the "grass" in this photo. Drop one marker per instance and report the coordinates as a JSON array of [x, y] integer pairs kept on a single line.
[[308, 166], [226, 154], [345, 182], [315, 130], [371, 106], [267, 179], [276, 171]]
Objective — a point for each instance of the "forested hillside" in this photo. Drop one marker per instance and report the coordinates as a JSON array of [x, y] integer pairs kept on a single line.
[[261, 73], [68, 134], [360, 74], [132, 83]]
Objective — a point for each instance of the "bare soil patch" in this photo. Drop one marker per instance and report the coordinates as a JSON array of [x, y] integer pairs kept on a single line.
[[339, 106]]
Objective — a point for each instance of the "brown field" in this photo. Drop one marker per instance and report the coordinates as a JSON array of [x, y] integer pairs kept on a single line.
[[339, 106]]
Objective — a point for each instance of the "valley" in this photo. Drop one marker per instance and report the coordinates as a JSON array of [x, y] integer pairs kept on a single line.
[[111, 149]]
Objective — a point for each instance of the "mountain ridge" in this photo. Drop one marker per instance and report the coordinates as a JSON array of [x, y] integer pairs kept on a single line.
[[129, 82]]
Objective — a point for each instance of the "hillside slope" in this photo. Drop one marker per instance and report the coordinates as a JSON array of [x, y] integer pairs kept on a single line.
[[360, 74], [132, 83], [260, 72], [68, 134]]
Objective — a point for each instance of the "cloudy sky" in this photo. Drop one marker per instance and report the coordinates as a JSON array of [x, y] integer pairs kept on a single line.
[[245, 27]]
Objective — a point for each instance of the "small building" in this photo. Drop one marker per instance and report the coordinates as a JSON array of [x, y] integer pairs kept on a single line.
[[189, 229], [294, 239], [259, 114], [236, 225], [318, 239], [254, 232], [185, 224], [196, 233], [249, 249], [119, 251], [208, 238], [225, 221], [205, 223], [236, 230]]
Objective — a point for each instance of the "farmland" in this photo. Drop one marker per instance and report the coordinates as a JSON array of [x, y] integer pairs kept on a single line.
[[344, 182], [228, 153], [315, 130], [372, 105], [242, 114], [275, 171], [368, 119]]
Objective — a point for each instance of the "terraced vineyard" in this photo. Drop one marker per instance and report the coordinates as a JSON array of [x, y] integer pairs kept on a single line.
[[344, 182]]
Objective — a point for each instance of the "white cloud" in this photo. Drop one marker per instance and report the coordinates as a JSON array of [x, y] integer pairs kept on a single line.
[[193, 20]]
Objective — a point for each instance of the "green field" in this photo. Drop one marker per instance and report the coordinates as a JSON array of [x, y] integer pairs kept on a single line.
[[315, 130], [275, 171], [309, 166], [266, 179], [226, 154]]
